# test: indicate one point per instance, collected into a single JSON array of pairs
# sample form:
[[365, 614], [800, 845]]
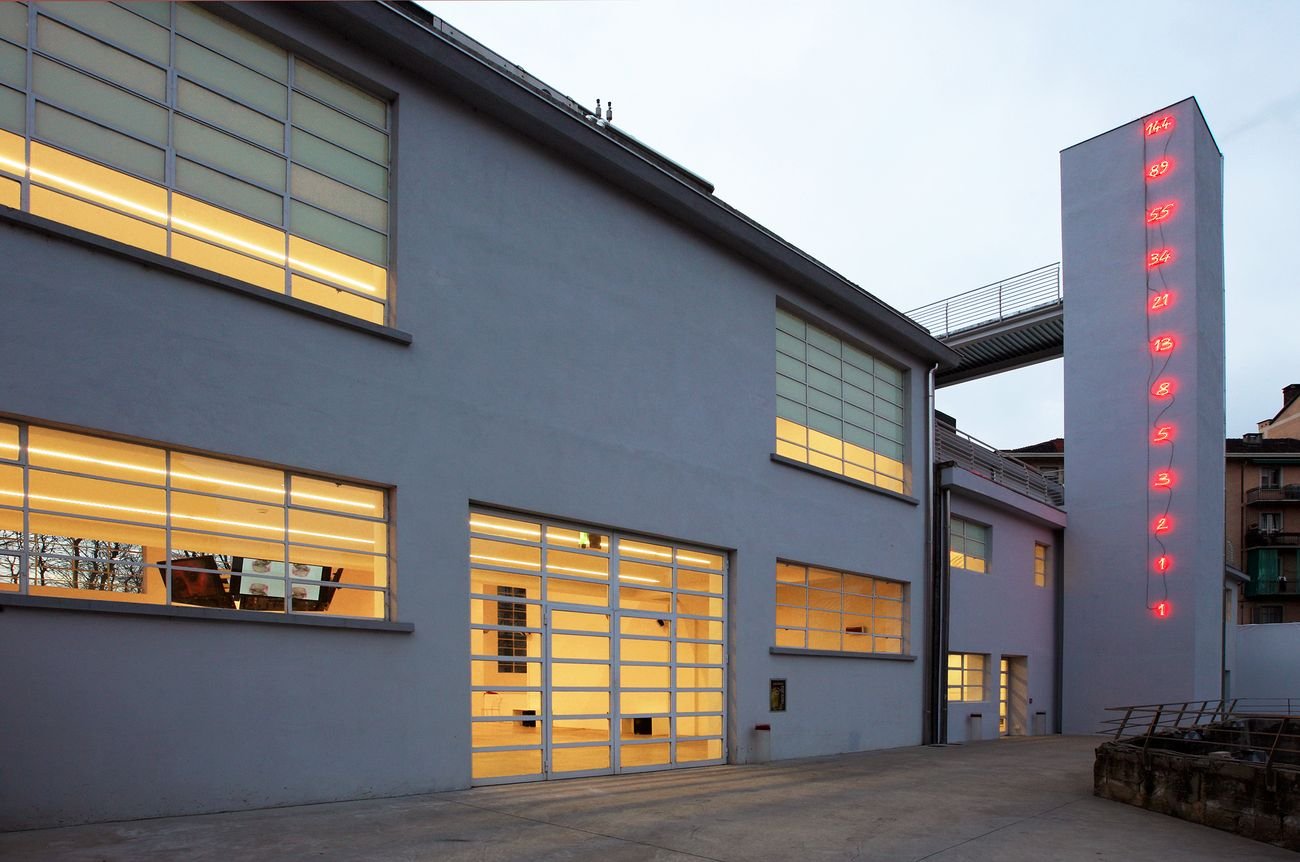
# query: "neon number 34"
[[1163, 256]]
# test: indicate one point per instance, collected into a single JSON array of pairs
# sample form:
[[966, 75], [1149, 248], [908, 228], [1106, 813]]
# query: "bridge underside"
[[1003, 345]]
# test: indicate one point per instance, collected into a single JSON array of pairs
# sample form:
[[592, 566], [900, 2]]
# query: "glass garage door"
[[592, 653]]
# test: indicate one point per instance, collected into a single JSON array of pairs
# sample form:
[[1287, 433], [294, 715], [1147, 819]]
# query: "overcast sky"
[[913, 146]]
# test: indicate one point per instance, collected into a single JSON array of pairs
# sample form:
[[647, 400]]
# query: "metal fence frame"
[[1038, 288]]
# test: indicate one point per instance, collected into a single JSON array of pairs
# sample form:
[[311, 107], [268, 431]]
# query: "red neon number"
[[1163, 479], [1164, 563], [1158, 169], [1159, 257], [1162, 344], [1163, 434], [1163, 524], [1161, 213], [1159, 126], [1162, 609], [1163, 389], [1161, 301]]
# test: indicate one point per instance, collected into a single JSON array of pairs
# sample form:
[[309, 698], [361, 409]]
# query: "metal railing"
[[991, 303], [1257, 538], [1257, 730], [1287, 493], [984, 460]]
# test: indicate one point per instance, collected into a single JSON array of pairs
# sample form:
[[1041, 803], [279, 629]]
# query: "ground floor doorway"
[[1013, 696], [592, 652]]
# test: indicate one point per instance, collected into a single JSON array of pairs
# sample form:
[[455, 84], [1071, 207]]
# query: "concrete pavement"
[[1012, 800]]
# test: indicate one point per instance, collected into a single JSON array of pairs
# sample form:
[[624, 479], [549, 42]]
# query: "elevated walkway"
[[1009, 324]]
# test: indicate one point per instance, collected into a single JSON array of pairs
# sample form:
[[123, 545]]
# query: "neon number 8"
[[1162, 390]]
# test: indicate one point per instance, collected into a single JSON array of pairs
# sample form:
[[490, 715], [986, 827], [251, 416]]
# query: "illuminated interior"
[[233, 170], [828, 610], [968, 545], [1004, 694], [965, 677], [1040, 565], [86, 517], [838, 408], [591, 653]]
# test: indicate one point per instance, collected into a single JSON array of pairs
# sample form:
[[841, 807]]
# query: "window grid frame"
[[25, 553], [962, 663], [1042, 564], [872, 619], [168, 184], [959, 559]]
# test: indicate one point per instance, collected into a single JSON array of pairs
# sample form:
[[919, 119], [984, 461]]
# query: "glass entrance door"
[[580, 652]]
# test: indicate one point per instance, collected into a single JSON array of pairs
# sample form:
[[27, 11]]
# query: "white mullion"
[[292, 64], [24, 549], [29, 110], [167, 525], [287, 566]]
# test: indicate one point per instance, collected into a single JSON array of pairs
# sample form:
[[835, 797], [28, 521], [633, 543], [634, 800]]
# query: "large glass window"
[[965, 677], [165, 127], [837, 407], [968, 545], [840, 611], [87, 517], [1041, 565]]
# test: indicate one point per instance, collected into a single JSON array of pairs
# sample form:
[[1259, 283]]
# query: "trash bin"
[[975, 727], [760, 749], [1040, 724]]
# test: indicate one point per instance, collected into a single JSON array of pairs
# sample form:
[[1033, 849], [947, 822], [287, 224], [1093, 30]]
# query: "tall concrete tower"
[[1142, 237]]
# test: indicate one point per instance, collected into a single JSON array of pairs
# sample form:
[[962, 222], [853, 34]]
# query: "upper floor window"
[[1270, 477], [838, 611], [837, 407], [86, 517], [167, 128], [968, 545], [1040, 565]]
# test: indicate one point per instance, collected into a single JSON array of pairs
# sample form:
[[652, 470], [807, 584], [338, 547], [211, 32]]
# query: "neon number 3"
[[1163, 479]]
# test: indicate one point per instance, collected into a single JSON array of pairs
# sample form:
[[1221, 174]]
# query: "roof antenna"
[[598, 109], [609, 111]]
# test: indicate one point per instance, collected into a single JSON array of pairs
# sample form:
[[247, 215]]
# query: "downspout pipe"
[[931, 729]]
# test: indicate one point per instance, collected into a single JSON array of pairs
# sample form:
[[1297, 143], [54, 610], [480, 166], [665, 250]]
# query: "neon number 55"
[[1158, 214]]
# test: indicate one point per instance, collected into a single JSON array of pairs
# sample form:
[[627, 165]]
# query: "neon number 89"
[[1158, 169]]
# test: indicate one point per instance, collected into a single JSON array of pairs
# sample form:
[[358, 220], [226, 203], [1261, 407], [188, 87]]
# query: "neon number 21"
[[1161, 301]]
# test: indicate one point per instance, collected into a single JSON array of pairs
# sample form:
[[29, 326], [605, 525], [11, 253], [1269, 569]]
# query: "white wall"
[[1267, 661]]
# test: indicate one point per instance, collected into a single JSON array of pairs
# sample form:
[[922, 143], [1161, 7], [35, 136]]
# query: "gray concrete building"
[[382, 423]]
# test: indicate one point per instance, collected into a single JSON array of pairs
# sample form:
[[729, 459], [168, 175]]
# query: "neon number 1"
[[1162, 609], [1160, 301]]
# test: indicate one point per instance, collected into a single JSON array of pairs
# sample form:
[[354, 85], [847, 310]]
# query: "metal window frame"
[[904, 601]]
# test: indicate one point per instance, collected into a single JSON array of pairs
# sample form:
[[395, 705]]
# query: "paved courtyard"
[[1016, 799]]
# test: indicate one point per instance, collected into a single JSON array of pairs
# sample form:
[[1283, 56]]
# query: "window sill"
[[866, 486], [11, 600], [830, 653], [203, 276]]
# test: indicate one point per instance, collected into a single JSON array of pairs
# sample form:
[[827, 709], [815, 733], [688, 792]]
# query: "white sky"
[[913, 146]]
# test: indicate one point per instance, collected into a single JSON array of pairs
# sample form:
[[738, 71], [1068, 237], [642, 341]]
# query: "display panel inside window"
[[165, 127], [837, 407], [968, 546], [826, 609], [965, 677], [86, 517]]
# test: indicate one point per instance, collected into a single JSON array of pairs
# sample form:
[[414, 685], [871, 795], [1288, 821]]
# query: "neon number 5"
[[1162, 256], [1163, 433], [1162, 344], [1160, 301]]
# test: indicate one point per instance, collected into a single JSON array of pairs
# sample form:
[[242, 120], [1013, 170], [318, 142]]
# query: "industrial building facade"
[[335, 465]]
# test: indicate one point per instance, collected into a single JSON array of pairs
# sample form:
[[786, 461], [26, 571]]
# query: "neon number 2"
[[1163, 524], [1160, 301], [1160, 257], [1162, 344]]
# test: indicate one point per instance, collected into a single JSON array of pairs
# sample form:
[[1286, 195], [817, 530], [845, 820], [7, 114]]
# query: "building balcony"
[[1272, 588], [1285, 494], [983, 460], [1257, 538]]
